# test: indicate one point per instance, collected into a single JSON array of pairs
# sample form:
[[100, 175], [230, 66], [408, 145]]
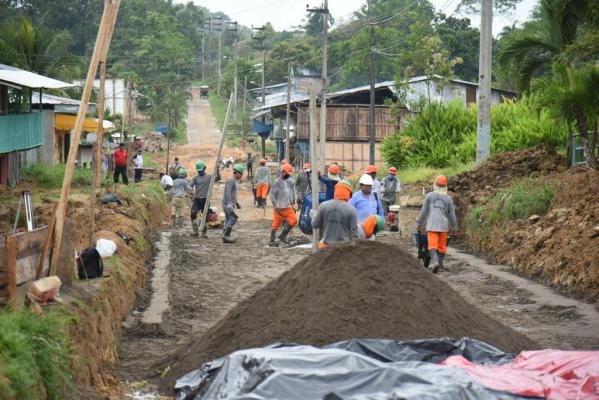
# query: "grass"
[[116, 267], [423, 174], [518, 201], [51, 176], [34, 350]]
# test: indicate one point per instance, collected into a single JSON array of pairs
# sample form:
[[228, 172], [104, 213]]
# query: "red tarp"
[[554, 374]]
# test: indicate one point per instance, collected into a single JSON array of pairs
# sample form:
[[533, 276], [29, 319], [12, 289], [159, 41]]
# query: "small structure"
[[22, 131], [204, 89]]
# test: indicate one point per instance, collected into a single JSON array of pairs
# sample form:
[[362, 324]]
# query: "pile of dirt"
[[361, 289]]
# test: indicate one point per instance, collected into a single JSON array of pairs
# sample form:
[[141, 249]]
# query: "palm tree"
[[530, 51], [36, 49]]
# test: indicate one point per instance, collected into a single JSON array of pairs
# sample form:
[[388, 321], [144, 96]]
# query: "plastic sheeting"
[[357, 370]]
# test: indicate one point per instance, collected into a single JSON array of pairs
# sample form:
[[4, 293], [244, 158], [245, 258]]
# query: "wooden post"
[[314, 160], [288, 113], [11, 269], [213, 176], [106, 27], [47, 242]]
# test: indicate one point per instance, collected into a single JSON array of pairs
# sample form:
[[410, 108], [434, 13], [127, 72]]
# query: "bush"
[[443, 135], [34, 352], [51, 176]]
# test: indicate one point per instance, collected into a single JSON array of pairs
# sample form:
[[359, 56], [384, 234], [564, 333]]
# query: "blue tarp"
[[262, 129]]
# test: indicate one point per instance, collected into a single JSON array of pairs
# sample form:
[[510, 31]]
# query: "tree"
[[300, 51], [461, 40], [313, 23], [37, 49]]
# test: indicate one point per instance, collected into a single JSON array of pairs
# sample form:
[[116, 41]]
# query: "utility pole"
[[168, 141], [203, 56], [219, 62], [262, 47], [324, 11], [245, 90], [125, 108], [483, 137], [315, 184], [288, 111], [372, 136], [97, 153], [235, 81]]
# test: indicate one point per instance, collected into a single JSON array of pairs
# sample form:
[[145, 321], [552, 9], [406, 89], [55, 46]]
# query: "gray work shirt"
[[281, 193], [302, 185], [338, 221], [262, 174], [180, 187], [201, 185], [230, 194], [438, 212], [390, 187]]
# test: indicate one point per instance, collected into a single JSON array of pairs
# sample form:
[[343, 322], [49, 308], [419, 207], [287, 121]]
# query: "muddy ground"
[[208, 278]]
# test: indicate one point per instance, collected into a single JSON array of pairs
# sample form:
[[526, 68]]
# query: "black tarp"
[[359, 369]]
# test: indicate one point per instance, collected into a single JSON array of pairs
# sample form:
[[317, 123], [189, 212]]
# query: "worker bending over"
[[201, 184], [282, 197], [336, 218], [371, 226], [438, 212], [230, 202], [262, 179]]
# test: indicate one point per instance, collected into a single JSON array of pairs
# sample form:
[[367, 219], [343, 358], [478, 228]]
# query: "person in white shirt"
[[166, 182], [138, 160]]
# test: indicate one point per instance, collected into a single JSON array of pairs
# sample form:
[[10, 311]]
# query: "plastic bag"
[[106, 247]]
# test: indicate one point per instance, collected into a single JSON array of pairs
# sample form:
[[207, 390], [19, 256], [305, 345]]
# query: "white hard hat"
[[366, 180]]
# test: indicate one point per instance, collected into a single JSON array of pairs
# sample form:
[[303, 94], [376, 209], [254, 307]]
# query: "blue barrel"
[[305, 223]]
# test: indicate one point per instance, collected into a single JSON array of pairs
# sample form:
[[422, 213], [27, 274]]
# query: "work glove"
[[238, 206]]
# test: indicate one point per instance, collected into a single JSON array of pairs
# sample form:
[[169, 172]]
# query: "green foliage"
[[34, 350], [51, 176], [445, 135], [518, 201], [461, 41], [427, 174]]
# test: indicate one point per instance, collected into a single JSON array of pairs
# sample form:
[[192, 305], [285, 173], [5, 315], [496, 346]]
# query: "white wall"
[[115, 94]]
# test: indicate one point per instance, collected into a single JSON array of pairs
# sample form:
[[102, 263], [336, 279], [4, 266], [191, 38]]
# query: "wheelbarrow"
[[421, 241]]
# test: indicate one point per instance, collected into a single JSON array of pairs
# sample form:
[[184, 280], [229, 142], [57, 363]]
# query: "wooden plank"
[[29, 243], [47, 242], [11, 267]]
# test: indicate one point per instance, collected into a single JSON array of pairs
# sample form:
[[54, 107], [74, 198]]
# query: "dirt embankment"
[[340, 294], [560, 247]]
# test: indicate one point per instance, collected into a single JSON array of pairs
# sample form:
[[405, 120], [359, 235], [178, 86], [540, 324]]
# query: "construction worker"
[[201, 184], [166, 182], [230, 202], [438, 213], [138, 162], [371, 226], [330, 180], [178, 193], [282, 198], [250, 165], [262, 179], [390, 188], [336, 218], [120, 157], [376, 186], [365, 201], [173, 169], [302, 185]]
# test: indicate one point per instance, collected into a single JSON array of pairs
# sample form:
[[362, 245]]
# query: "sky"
[[285, 14]]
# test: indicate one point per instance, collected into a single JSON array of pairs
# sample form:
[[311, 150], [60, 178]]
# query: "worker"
[[250, 165], [336, 218], [120, 158], [166, 182], [262, 179], [178, 193], [334, 171], [282, 197], [365, 201], [376, 186], [201, 184], [138, 161], [174, 168], [330, 181], [390, 188], [302, 185], [230, 202], [438, 213], [371, 226]]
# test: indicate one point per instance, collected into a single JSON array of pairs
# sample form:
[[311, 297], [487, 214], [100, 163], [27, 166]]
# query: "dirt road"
[[206, 278]]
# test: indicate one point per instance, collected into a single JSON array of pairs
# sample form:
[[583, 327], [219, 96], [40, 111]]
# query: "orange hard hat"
[[393, 171], [284, 161], [371, 169], [441, 180], [287, 168], [307, 166], [334, 169], [262, 161]]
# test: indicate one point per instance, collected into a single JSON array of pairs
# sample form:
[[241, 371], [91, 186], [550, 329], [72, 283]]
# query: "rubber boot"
[[227, 236], [283, 237], [439, 265], [434, 258], [194, 226], [273, 240]]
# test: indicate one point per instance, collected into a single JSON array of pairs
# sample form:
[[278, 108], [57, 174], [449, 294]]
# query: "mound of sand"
[[362, 289]]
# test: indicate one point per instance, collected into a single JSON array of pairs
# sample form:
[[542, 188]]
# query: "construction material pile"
[[361, 289], [153, 142]]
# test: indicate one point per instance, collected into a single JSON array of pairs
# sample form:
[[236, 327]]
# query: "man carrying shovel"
[[438, 212]]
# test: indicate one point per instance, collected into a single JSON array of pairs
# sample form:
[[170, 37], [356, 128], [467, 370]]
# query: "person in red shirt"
[[120, 157]]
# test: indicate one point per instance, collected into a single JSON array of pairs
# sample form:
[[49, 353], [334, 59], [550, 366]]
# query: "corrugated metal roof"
[[20, 77], [51, 99]]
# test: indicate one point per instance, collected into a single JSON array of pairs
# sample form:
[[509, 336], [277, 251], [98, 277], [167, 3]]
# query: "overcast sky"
[[284, 14]]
